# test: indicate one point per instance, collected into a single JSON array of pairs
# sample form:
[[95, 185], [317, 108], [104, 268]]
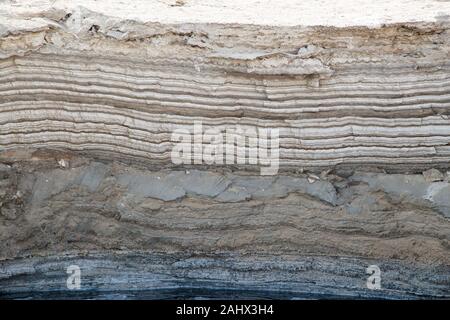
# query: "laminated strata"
[[91, 94]]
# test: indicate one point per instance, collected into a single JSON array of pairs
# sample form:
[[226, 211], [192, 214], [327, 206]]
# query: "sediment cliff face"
[[96, 98]]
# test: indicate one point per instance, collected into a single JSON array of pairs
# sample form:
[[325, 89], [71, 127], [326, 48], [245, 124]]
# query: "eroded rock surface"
[[91, 94]]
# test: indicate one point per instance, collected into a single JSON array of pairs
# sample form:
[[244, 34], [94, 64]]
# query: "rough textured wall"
[[91, 95]]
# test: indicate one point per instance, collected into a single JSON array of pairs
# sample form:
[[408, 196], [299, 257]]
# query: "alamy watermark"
[[374, 280], [73, 281], [234, 145]]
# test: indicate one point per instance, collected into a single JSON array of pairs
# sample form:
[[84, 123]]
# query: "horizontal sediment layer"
[[356, 95], [141, 275]]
